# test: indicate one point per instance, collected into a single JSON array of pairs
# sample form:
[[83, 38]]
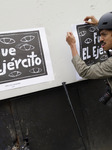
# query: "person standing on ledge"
[[99, 70]]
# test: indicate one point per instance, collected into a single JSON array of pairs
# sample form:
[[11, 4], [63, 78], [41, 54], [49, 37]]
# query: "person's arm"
[[95, 71], [91, 20], [72, 43], [71, 39]]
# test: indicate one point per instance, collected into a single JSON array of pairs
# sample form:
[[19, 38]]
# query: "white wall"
[[56, 16]]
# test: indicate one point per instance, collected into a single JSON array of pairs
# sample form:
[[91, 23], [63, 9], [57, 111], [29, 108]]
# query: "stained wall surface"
[[46, 121]]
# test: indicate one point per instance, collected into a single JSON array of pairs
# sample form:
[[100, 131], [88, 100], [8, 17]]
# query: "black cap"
[[105, 22]]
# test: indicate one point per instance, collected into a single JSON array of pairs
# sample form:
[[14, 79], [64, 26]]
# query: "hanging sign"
[[24, 59], [88, 43]]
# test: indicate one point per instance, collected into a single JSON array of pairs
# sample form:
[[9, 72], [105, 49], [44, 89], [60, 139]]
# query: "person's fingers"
[[87, 18]]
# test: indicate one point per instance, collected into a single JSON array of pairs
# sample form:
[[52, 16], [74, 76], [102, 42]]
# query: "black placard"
[[89, 44], [21, 56]]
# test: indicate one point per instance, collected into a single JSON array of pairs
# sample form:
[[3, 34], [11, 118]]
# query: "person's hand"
[[91, 20], [70, 39], [72, 43]]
